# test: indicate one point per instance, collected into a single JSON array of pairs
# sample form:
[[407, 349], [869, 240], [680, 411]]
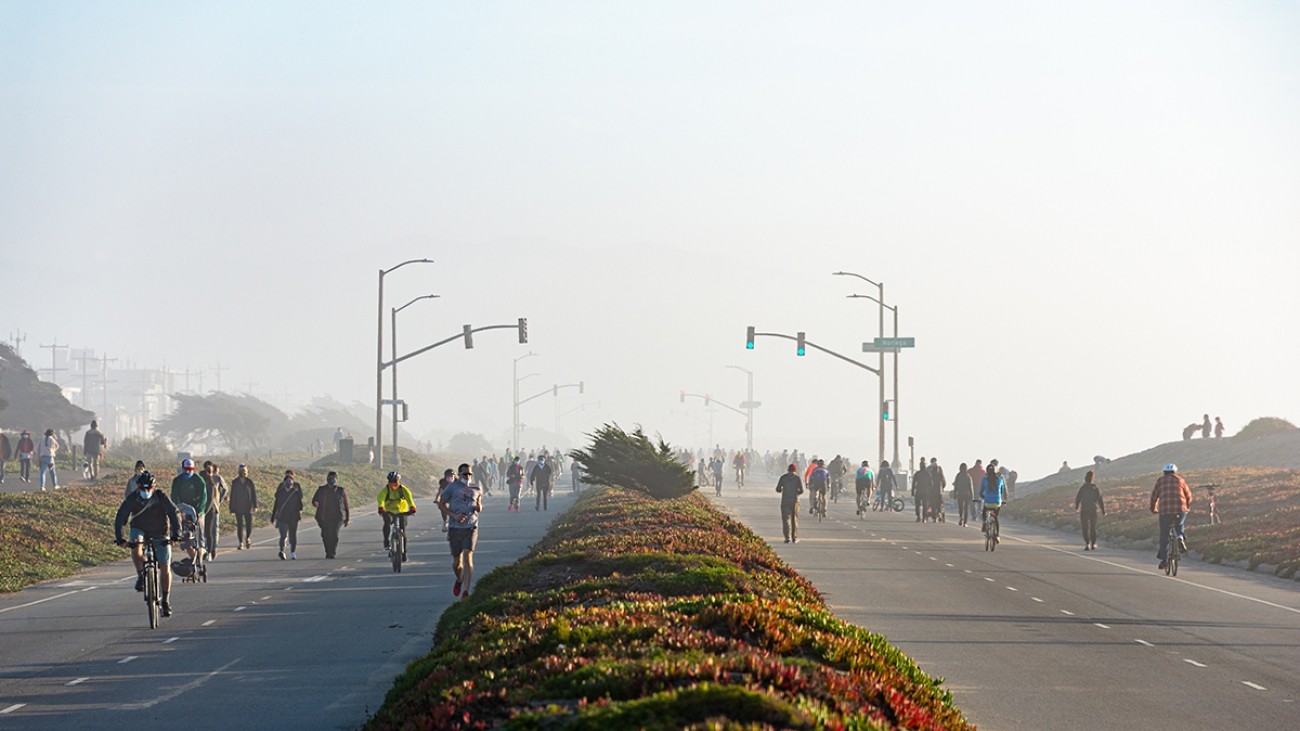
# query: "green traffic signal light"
[[749, 337], [799, 345]]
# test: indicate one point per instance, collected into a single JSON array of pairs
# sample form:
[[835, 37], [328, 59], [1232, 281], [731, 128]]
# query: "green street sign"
[[894, 342]]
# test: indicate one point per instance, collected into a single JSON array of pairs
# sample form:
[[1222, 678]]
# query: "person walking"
[[448, 477], [575, 475], [463, 502], [25, 449], [920, 490], [1086, 503], [514, 481], [1218, 433], [133, 484], [937, 483], [962, 488], [976, 476], [886, 483], [790, 487], [1205, 427], [46, 451], [287, 513], [331, 503], [93, 446], [189, 488], [6, 451], [212, 519], [542, 478], [243, 503]]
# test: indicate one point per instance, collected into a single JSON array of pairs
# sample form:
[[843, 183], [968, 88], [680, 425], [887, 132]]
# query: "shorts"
[[462, 539], [161, 548]]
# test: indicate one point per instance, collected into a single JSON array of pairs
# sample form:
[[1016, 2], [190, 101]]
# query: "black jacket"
[[243, 495], [151, 516], [1089, 499], [962, 487], [331, 503], [288, 504]]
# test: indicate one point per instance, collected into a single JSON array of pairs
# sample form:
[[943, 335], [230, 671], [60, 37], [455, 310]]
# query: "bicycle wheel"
[[898, 505], [151, 597], [395, 552]]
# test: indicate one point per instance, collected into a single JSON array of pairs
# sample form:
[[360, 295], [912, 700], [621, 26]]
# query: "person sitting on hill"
[[1190, 430]]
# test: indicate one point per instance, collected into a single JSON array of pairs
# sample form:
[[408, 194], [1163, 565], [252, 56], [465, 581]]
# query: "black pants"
[[543, 495], [963, 507], [329, 534], [288, 534], [244, 527], [388, 521], [1089, 521]]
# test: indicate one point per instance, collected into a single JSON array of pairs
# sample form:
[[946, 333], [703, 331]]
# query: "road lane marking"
[[41, 601], [1067, 612], [988, 578], [314, 579], [240, 609], [128, 659], [950, 566], [1040, 601], [1256, 686], [264, 598], [966, 570], [209, 623], [1012, 588], [932, 558], [1144, 643], [1192, 662], [182, 689], [78, 681], [170, 640], [1099, 624], [12, 708]]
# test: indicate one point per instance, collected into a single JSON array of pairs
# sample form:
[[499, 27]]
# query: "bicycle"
[[819, 504], [397, 542], [991, 529], [895, 503], [152, 592], [1171, 555]]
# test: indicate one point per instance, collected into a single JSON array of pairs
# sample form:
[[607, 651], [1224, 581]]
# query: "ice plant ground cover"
[[1259, 507], [639, 613]]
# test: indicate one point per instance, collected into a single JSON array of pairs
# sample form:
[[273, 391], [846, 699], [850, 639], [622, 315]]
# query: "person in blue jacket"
[[993, 491]]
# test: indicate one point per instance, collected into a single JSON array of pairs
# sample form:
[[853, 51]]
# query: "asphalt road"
[[305, 644], [1040, 634]]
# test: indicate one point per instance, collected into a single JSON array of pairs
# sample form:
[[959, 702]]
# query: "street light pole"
[[880, 400], [749, 409], [397, 456], [514, 421], [379, 364]]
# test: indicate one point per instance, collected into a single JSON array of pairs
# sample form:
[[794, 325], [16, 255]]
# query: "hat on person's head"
[[449, 471], [94, 424], [243, 468], [139, 464], [49, 432], [187, 464], [26, 433]]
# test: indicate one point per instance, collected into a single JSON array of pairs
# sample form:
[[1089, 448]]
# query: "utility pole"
[[104, 360], [514, 421], [17, 338], [54, 369], [379, 364], [749, 406], [85, 377], [218, 371], [250, 385]]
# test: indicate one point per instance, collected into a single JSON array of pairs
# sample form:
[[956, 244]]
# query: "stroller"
[[191, 570]]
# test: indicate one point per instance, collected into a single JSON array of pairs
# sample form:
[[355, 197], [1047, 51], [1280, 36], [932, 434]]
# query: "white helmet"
[[1171, 467]]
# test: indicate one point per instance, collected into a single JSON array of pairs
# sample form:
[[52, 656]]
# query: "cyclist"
[[836, 468], [462, 501], [993, 491], [886, 482], [396, 502], [862, 482], [150, 513], [739, 463], [1171, 499], [819, 480]]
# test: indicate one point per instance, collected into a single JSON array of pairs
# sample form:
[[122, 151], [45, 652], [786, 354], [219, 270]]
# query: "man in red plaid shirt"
[[1171, 499]]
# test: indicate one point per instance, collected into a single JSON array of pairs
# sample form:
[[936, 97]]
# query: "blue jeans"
[[1166, 520], [47, 465]]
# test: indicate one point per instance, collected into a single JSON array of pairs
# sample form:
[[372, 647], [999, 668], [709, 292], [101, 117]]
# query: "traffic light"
[[523, 329], [884, 410], [582, 387], [469, 337], [799, 345], [555, 390], [749, 337], [683, 395], [406, 412]]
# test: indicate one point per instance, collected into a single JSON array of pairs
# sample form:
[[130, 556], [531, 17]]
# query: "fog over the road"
[[1085, 212]]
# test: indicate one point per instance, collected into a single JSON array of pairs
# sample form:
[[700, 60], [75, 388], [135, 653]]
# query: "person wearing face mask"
[[133, 484], [243, 503], [152, 517], [331, 503], [287, 513], [212, 520], [189, 488]]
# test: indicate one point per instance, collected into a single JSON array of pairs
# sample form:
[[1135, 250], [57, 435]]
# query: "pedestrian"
[[1218, 434], [937, 482], [331, 503], [338, 437], [514, 481], [976, 474], [886, 482], [448, 477], [463, 502], [287, 513], [542, 478], [189, 488], [243, 503], [962, 489], [1086, 503], [1205, 427], [133, 484], [6, 451], [212, 521], [93, 446], [25, 449], [920, 489], [790, 487], [575, 474], [46, 452], [718, 465]]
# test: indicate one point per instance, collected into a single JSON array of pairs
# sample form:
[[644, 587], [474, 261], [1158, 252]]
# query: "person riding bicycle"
[[1171, 499], [819, 481], [993, 491], [395, 503], [863, 480], [150, 513]]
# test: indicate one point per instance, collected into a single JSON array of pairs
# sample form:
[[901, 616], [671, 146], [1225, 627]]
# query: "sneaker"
[[794, 540], [787, 540], [455, 588], [1182, 545], [167, 609], [464, 596], [444, 527], [1161, 565], [139, 583], [293, 555], [281, 555], [248, 544], [239, 546]]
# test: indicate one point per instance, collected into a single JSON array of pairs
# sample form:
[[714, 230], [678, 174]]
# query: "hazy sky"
[[1087, 213]]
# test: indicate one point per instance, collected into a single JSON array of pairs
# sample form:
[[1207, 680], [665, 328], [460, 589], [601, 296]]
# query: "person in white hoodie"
[[46, 450]]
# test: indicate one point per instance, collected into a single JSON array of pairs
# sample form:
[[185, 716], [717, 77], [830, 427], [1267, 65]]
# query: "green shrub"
[[621, 459]]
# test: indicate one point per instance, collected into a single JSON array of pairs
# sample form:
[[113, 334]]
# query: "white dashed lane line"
[[1256, 686], [78, 681], [209, 623], [264, 598], [1193, 663], [1144, 643], [1040, 601], [170, 640], [1012, 588], [12, 708], [1067, 612], [950, 566], [988, 578], [240, 609], [1099, 624], [128, 659]]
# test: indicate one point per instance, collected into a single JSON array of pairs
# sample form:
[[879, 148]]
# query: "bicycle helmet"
[[1171, 467], [393, 478], [144, 481]]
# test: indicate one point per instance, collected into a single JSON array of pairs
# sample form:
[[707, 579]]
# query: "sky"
[[1086, 213]]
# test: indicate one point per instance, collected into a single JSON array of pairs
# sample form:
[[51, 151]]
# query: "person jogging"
[[463, 502]]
